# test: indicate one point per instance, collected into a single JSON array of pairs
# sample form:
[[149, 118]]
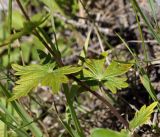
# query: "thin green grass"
[[153, 10], [9, 50], [141, 35], [143, 74], [146, 20], [72, 111], [9, 27], [22, 113]]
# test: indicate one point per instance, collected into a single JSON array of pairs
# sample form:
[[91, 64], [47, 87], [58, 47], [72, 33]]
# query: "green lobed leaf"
[[98, 132], [33, 75], [108, 77], [142, 116]]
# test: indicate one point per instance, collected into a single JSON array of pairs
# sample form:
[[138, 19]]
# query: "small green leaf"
[[114, 83], [68, 70], [46, 58], [117, 69], [107, 133], [85, 47], [53, 6], [104, 54], [31, 25], [47, 75], [2, 128], [88, 73], [17, 19], [96, 67], [41, 53], [142, 116], [148, 86], [27, 29], [26, 50]]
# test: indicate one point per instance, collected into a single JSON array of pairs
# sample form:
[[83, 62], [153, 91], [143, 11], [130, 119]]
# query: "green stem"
[[72, 110], [141, 35], [9, 50], [10, 27]]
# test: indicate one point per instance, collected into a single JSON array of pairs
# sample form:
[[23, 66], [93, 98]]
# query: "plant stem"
[[10, 27], [113, 110], [57, 58], [72, 111]]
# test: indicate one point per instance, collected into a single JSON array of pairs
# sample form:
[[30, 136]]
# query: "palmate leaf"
[[31, 76], [109, 76], [142, 116]]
